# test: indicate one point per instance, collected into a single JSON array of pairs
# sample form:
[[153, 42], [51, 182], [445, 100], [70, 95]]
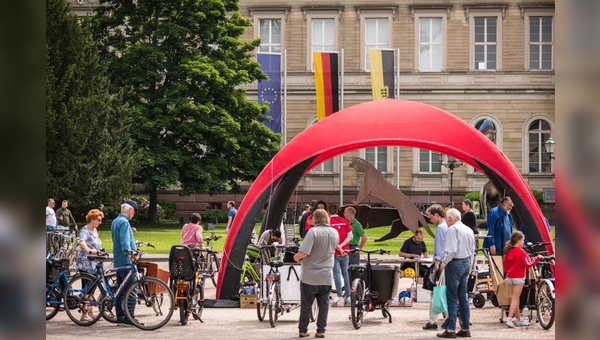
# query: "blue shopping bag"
[[439, 302]]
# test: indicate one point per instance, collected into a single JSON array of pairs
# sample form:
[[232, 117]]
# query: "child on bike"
[[516, 262]]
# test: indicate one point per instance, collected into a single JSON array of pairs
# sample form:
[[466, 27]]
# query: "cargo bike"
[[373, 287], [279, 286]]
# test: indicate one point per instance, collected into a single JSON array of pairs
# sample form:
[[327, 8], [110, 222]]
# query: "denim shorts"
[[515, 281]]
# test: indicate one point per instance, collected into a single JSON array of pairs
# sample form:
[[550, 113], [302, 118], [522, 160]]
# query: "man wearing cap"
[[123, 241]]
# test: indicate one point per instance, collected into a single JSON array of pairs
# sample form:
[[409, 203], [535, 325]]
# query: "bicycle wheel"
[[184, 312], [215, 262], [261, 309], [152, 302], [109, 313], [53, 301], [274, 305], [545, 306], [357, 303], [83, 300], [198, 301], [314, 310]]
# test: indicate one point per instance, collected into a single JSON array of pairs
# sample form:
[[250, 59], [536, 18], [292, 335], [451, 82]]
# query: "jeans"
[[341, 263], [121, 318], [354, 258], [457, 274], [308, 294]]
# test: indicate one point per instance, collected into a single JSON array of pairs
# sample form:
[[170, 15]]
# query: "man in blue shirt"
[[499, 224], [230, 215], [437, 216], [123, 241]]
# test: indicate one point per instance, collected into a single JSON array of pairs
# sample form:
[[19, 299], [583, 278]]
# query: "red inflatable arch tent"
[[387, 122]]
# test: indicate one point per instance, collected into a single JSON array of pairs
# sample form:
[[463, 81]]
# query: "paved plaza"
[[236, 323]]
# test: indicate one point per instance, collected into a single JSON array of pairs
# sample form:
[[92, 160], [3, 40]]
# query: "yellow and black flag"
[[382, 73], [327, 84]]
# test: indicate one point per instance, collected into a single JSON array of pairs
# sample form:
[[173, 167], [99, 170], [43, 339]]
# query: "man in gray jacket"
[[316, 256]]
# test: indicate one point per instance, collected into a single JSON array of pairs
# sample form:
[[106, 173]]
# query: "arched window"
[[538, 159]]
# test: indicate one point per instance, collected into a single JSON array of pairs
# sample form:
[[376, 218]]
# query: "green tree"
[[89, 154], [181, 65]]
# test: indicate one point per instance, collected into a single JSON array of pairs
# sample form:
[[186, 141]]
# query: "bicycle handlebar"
[[147, 244], [381, 251], [212, 238]]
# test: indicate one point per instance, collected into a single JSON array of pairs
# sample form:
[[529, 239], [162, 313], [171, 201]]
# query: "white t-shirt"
[[50, 217]]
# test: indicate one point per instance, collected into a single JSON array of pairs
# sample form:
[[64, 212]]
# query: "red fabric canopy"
[[387, 122]]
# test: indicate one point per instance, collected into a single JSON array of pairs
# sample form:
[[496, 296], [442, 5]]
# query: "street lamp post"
[[549, 147], [451, 165]]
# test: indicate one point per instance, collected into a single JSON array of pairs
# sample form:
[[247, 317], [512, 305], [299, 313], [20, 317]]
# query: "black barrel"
[[384, 281]]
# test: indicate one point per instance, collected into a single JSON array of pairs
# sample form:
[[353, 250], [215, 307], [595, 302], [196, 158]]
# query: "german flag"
[[382, 73], [327, 84]]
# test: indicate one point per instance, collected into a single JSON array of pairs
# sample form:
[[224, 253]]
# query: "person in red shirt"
[[516, 262], [340, 264]]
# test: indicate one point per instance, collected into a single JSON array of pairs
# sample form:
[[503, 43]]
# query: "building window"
[[430, 162], [270, 34], [539, 159], [378, 157], [485, 35], [541, 42], [431, 44], [377, 36], [325, 167], [322, 37], [485, 43], [269, 25]]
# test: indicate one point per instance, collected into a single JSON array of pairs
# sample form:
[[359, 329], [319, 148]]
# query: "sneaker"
[[509, 323], [340, 302], [347, 301], [336, 301]]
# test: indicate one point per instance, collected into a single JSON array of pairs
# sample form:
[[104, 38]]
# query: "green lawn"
[[165, 235]]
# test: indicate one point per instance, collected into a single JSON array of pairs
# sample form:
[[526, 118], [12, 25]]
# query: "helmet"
[[409, 272]]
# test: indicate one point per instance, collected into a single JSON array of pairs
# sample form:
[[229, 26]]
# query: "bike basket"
[[54, 267], [384, 281]]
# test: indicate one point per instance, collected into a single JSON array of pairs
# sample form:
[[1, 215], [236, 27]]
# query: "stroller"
[[480, 281]]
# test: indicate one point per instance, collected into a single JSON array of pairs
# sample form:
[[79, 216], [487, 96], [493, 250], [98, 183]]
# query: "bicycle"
[[544, 284], [150, 299], [62, 245], [371, 291], [275, 300], [57, 279], [210, 263], [186, 282]]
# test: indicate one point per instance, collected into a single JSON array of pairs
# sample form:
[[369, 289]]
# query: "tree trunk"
[[152, 208]]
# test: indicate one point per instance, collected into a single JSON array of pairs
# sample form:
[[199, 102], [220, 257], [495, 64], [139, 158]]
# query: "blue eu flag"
[[269, 91]]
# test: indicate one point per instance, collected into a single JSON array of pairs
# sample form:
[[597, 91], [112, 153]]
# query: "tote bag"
[[439, 302]]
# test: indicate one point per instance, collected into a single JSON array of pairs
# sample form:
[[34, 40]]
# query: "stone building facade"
[[476, 59]]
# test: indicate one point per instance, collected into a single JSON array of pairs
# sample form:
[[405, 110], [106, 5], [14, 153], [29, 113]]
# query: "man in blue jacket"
[[499, 224], [123, 241]]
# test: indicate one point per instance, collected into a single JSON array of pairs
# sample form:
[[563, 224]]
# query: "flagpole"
[[285, 98], [398, 97], [342, 156]]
